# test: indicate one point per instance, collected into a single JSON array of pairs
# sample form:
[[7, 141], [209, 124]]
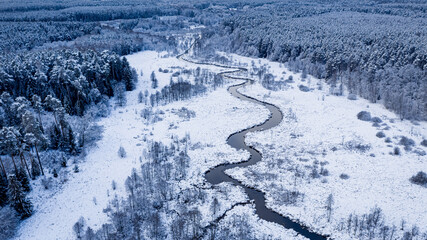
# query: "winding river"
[[236, 140]]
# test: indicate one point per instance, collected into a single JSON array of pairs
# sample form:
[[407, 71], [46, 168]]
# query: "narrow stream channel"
[[236, 140]]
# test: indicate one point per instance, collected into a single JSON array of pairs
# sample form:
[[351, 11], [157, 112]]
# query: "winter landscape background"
[[218, 119]]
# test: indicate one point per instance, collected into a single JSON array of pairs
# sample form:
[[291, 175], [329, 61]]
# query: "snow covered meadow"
[[322, 148], [88, 192], [124, 119]]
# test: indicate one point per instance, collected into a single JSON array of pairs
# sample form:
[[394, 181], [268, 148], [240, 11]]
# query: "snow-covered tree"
[[154, 81], [120, 94], [9, 140], [17, 198]]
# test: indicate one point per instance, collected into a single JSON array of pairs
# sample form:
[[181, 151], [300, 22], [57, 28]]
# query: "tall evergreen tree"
[[35, 168], [23, 179], [128, 76], [17, 198], [9, 142], [72, 141], [38, 106], [154, 81]]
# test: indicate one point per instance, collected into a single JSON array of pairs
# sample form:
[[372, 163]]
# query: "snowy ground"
[[88, 192], [319, 128]]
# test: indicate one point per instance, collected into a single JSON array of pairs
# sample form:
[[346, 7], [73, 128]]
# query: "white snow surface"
[[88, 192], [380, 180], [320, 125]]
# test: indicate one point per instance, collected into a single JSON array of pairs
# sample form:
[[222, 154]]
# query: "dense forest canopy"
[[376, 50]]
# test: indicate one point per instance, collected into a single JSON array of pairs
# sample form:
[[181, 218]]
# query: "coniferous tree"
[[17, 198], [9, 142], [55, 173], [128, 75], [55, 137], [32, 141], [140, 97], [38, 106], [71, 141], [154, 81], [23, 179], [35, 168], [58, 110]]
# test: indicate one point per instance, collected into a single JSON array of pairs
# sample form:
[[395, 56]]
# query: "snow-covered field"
[[88, 192], [322, 130], [318, 130]]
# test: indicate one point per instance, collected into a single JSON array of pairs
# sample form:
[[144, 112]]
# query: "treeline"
[[16, 36], [181, 90], [40, 90], [379, 57], [25, 27], [77, 79], [99, 13]]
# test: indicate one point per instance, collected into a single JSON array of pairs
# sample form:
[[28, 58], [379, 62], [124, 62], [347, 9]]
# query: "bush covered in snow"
[[380, 134], [344, 176], [376, 120], [364, 116], [357, 145], [420, 179], [122, 152], [396, 151], [407, 142], [352, 96], [304, 88]]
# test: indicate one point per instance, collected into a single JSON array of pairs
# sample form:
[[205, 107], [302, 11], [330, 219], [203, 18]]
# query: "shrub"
[[419, 179], [344, 176], [47, 182], [387, 140], [303, 88], [380, 134], [55, 173], [314, 173], [424, 143], [140, 97], [364, 116], [375, 124], [290, 197], [420, 152], [76, 169], [352, 96], [376, 120], [396, 151], [63, 162], [407, 142], [122, 152], [355, 145], [114, 185], [78, 228], [324, 172]]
